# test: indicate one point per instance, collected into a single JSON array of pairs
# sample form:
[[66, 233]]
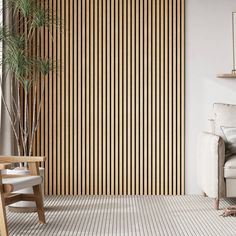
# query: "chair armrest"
[[210, 164], [4, 166], [17, 159]]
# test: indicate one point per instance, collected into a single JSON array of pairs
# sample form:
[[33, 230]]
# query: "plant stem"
[[34, 116], [26, 124]]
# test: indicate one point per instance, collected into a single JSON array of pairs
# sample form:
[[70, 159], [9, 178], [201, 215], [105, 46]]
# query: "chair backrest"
[[224, 116]]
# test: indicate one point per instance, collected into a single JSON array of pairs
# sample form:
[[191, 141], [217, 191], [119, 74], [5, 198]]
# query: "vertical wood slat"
[[87, 96], [91, 97], [54, 108], [96, 98], [141, 86], [125, 98], [50, 114], [116, 98], [100, 97], [112, 135], [76, 101], [77, 131], [113, 118], [108, 151], [83, 89], [71, 98], [104, 124], [46, 117], [120, 81], [137, 98]]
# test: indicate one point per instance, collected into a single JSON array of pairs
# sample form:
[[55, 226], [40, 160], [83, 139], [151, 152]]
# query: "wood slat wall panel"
[[112, 119]]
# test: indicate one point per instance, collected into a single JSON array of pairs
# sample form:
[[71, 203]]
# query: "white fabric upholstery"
[[210, 164], [230, 168], [225, 115], [216, 174], [22, 182], [230, 187], [211, 126]]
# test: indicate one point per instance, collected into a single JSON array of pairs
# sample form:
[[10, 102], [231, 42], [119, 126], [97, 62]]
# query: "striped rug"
[[126, 215]]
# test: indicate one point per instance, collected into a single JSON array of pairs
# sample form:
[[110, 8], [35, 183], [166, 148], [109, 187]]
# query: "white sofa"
[[216, 172]]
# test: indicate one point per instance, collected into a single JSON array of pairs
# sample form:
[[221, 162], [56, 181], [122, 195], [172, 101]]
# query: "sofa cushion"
[[22, 182], [225, 115], [230, 168]]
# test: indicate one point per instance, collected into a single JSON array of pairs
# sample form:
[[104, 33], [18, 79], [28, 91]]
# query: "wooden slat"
[[170, 102], [157, 63], [112, 118], [174, 99], [87, 96], [104, 70], [166, 97], [125, 63], [100, 84], [129, 68], [154, 94], [133, 79], [112, 56], [121, 76], [71, 99], [137, 99], [162, 96], [149, 108], [179, 128], [108, 151], [54, 108], [116, 97], [76, 101], [83, 100], [91, 97], [145, 87], [67, 96], [78, 131], [182, 64], [50, 114], [96, 148], [46, 120], [141, 89]]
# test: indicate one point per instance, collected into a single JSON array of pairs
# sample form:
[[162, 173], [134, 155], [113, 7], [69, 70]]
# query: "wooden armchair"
[[11, 183]]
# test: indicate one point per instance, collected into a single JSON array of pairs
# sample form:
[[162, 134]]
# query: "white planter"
[[25, 206]]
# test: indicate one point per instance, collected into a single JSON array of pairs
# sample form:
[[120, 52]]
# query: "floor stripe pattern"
[[126, 215]]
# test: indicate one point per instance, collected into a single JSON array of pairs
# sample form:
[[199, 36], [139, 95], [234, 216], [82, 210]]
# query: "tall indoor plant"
[[26, 70]]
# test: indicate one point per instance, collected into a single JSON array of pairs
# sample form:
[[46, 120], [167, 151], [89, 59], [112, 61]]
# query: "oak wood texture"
[[4, 166], [17, 159], [227, 76], [7, 198], [112, 120]]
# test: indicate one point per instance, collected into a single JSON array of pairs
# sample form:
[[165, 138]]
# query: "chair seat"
[[230, 168], [15, 184]]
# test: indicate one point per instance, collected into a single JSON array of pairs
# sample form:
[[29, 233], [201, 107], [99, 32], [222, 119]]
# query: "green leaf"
[[23, 6]]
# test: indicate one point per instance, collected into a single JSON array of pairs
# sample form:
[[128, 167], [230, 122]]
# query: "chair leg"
[[216, 203], [39, 203], [3, 218]]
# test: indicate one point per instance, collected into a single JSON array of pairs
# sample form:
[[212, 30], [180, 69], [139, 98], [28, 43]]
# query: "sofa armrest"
[[210, 164]]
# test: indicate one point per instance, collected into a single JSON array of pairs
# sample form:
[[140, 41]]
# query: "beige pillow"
[[225, 116]]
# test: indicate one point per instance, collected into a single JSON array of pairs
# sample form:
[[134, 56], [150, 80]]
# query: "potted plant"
[[26, 70]]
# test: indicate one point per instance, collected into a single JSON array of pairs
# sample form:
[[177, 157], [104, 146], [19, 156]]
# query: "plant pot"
[[25, 206]]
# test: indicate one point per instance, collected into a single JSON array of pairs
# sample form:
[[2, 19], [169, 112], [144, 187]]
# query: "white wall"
[[208, 52]]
